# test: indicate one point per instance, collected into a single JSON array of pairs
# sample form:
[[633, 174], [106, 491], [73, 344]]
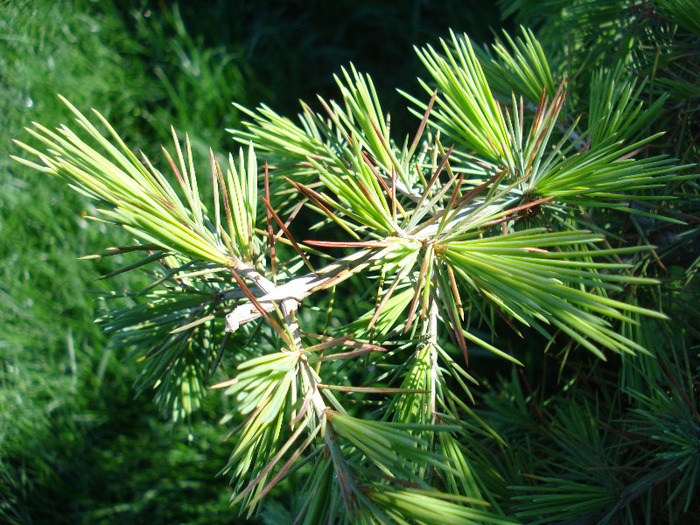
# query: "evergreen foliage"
[[491, 320]]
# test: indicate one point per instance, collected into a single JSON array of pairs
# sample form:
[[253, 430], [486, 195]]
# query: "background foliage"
[[586, 440]]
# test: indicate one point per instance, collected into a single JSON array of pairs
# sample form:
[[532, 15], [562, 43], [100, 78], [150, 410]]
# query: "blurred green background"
[[75, 446]]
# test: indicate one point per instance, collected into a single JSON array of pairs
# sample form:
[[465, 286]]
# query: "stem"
[[432, 332], [311, 386], [290, 294]]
